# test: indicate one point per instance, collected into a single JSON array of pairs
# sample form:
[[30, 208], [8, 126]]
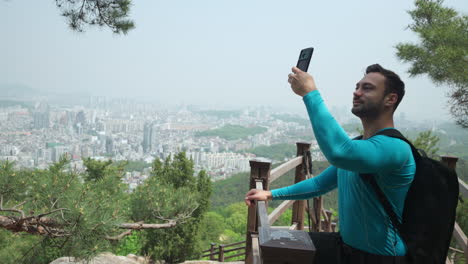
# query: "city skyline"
[[230, 54]]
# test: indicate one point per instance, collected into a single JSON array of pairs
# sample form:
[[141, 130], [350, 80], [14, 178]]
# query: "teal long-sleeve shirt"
[[363, 222]]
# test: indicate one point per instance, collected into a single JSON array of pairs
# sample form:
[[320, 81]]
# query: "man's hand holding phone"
[[301, 82]]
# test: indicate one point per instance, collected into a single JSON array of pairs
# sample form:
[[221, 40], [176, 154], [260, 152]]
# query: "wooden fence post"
[[221, 253], [259, 170], [450, 161], [212, 249], [299, 206], [318, 206]]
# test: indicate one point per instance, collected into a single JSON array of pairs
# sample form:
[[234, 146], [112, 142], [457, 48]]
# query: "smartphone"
[[304, 59]]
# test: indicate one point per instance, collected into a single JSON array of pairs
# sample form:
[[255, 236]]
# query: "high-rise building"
[[109, 145], [58, 152], [41, 116], [147, 137], [80, 118]]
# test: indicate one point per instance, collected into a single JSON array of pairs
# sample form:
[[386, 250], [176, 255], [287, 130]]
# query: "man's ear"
[[391, 99]]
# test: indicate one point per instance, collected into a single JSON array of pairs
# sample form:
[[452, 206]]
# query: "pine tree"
[[103, 13], [441, 53], [58, 212]]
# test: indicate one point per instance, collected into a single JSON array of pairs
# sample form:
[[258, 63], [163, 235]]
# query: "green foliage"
[[14, 246], [427, 141], [108, 13], [211, 228], [131, 244], [89, 206], [172, 192], [277, 152], [232, 132], [96, 169], [441, 53], [136, 165], [84, 211]]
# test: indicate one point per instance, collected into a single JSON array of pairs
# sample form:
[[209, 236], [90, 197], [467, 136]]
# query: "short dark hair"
[[393, 83]]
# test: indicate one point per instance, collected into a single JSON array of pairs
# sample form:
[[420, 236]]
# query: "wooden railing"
[[218, 252], [267, 244]]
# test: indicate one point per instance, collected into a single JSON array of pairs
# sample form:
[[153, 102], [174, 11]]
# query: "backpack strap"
[[369, 178]]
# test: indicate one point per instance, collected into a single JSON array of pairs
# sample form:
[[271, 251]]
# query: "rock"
[[109, 258], [104, 258]]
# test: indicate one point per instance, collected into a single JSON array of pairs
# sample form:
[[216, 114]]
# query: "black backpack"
[[429, 210]]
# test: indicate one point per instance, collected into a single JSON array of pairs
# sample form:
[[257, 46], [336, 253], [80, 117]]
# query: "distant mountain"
[[24, 93], [18, 92]]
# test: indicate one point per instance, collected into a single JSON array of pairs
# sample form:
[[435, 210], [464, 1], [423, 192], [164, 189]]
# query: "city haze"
[[216, 54]]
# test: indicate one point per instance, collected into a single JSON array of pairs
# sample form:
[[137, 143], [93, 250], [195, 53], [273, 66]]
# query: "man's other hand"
[[301, 82], [255, 194]]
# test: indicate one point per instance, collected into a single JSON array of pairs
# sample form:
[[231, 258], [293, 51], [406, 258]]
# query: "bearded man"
[[366, 233]]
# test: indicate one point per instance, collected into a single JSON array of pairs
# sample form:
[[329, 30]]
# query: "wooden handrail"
[[284, 168], [260, 233], [226, 245], [461, 239], [233, 249], [261, 209], [279, 211], [463, 188], [222, 249], [275, 243], [259, 172], [293, 226], [235, 244]]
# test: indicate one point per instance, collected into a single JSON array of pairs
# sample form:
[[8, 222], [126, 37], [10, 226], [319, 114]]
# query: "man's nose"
[[357, 92]]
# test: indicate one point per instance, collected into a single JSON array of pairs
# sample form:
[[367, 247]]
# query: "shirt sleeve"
[[313, 187], [374, 155]]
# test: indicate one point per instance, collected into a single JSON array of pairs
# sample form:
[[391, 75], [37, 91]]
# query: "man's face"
[[368, 97]]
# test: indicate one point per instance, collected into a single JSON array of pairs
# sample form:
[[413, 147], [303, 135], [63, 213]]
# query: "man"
[[366, 232]]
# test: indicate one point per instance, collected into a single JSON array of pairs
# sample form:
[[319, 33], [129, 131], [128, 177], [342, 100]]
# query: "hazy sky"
[[215, 52]]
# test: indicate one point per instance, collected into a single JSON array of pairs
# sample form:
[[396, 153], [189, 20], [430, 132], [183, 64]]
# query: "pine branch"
[[41, 225], [138, 226]]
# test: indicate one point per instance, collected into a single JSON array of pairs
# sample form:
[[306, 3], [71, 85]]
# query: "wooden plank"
[[233, 249], [256, 257], [261, 208], [262, 214], [284, 168], [279, 211], [463, 188], [234, 244], [293, 227], [461, 239], [280, 227]]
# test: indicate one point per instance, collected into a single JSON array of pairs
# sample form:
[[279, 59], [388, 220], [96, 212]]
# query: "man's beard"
[[369, 110]]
